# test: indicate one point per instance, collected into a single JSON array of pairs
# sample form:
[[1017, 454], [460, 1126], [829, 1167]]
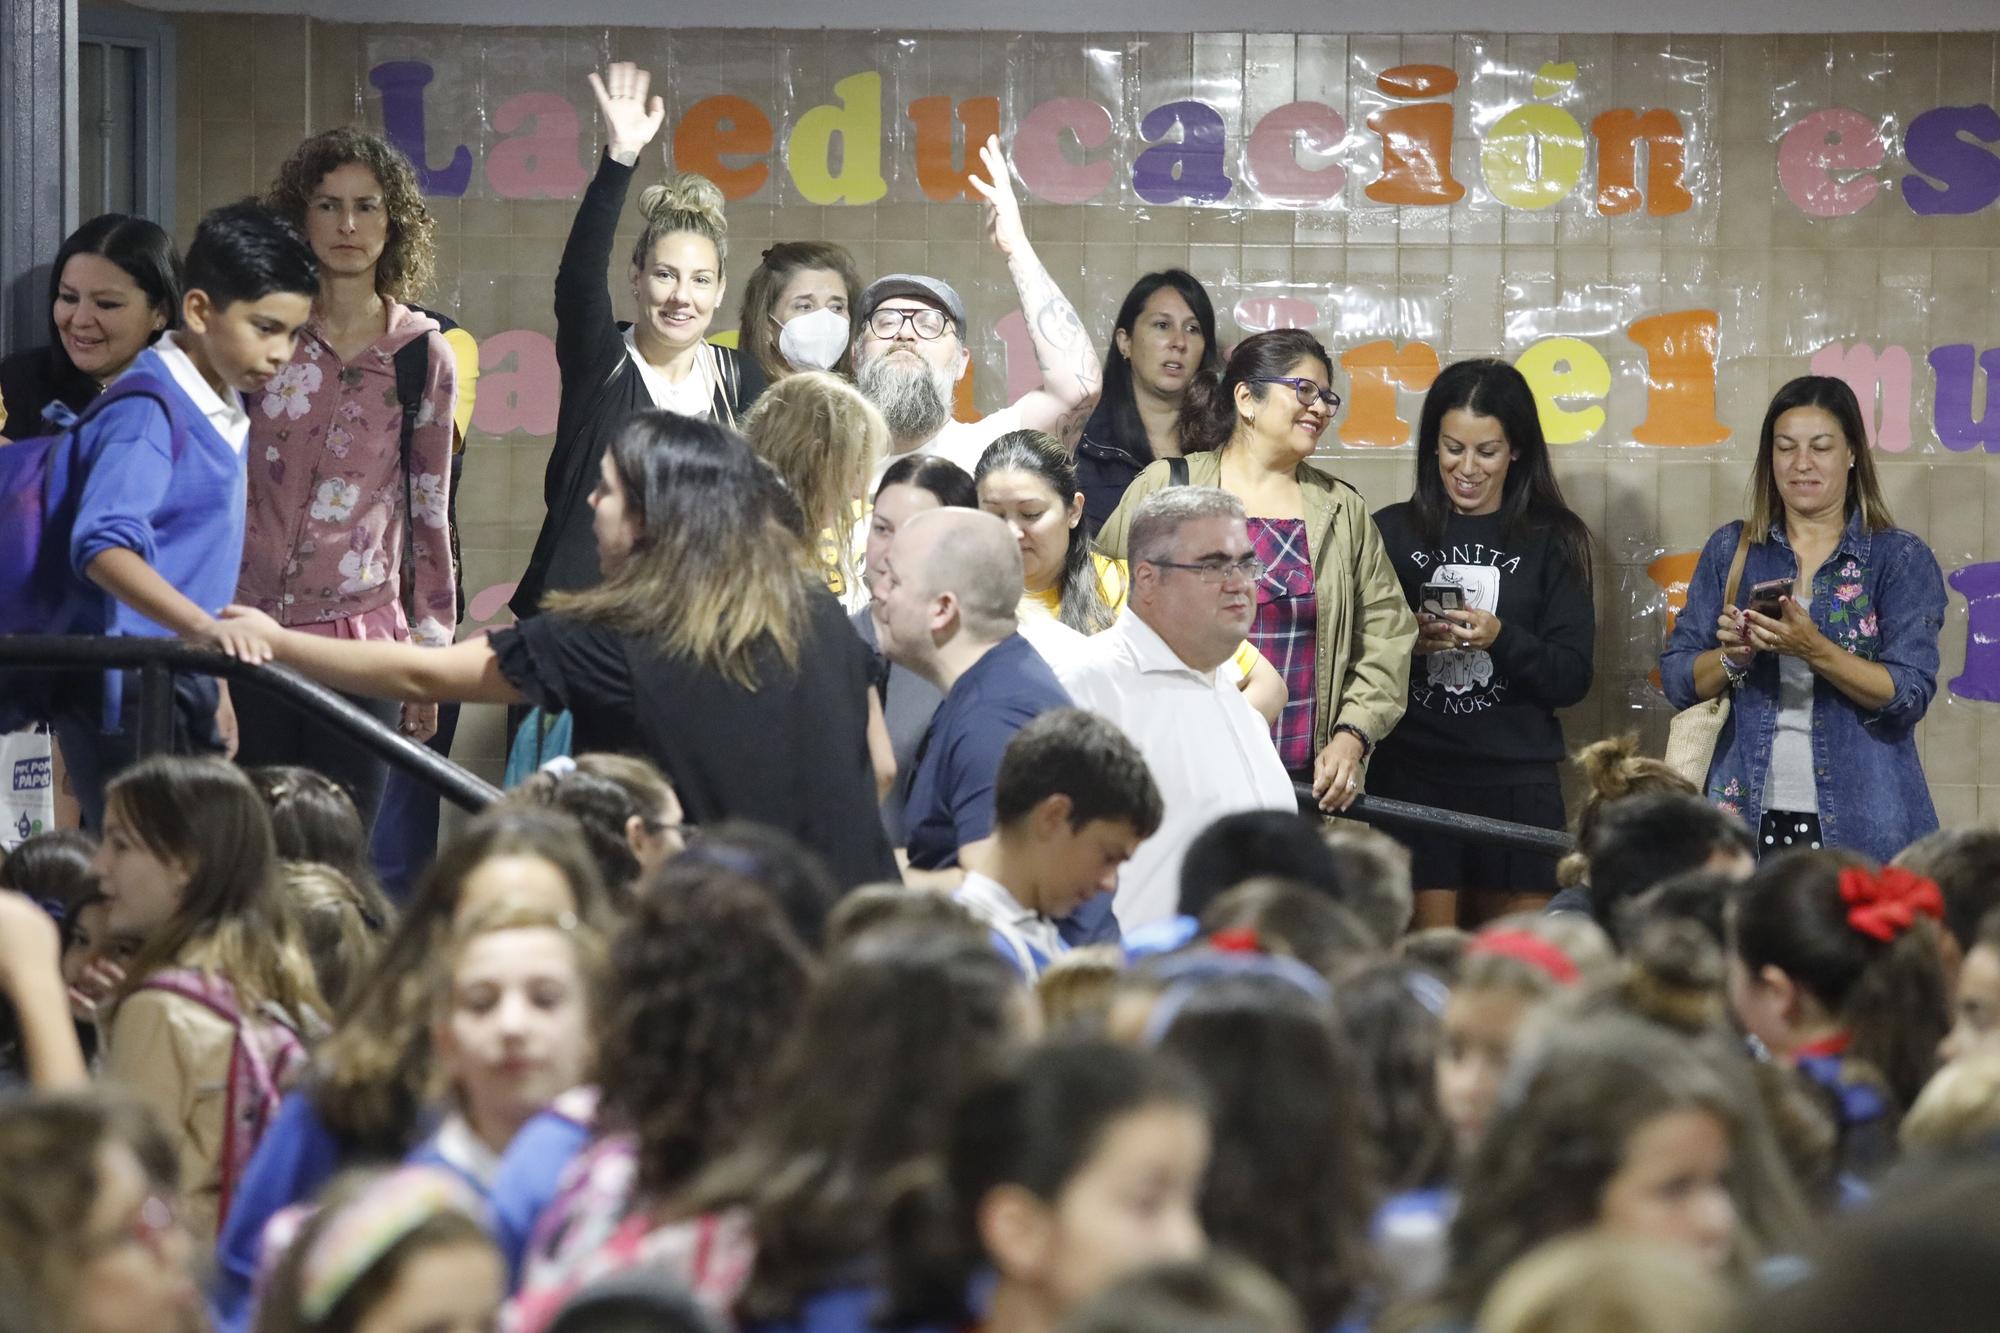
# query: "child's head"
[[1217, 1293], [794, 875], [188, 864], [1975, 1026], [706, 980], [629, 815], [389, 1253], [1284, 917], [251, 280], [892, 1033], [1078, 1164], [1073, 801], [1965, 865], [1825, 944], [94, 956], [1958, 1110], [513, 1014], [374, 1068], [1592, 1283], [1636, 841], [1508, 971], [1372, 870], [1392, 1014], [1252, 843], [822, 438], [1292, 1184], [1613, 769], [90, 1234], [894, 906], [332, 917], [314, 819], [54, 869], [1075, 990], [1611, 1125], [1438, 950]]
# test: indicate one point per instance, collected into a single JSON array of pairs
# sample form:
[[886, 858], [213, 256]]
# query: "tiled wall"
[[250, 86]]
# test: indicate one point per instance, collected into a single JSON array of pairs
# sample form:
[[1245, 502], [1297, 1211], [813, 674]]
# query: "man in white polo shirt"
[[1154, 674]]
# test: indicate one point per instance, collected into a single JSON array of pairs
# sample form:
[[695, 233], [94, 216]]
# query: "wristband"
[[1735, 674], [1367, 745]]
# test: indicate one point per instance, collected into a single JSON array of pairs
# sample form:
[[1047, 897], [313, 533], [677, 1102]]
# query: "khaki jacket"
[[1366, 629], [174, 1055]]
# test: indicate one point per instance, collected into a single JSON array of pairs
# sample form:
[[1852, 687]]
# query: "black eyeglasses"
[[1306, 389], [888, 321], [1217, 572]]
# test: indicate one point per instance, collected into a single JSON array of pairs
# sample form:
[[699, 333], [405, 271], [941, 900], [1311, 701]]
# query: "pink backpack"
[[267, 1054]]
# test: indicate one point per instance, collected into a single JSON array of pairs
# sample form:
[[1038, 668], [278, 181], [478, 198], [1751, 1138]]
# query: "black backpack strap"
[[1177, 472], [413, 364]]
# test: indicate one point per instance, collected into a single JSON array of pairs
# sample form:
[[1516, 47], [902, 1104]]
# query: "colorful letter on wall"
[[1374, 371], [1951, 412], [1272, 154], [941, 173], [402, 84], [1562, 368], [1671, 572], [1937, 146], [1835, 139], [858, 122], [1416, 140], [542, 163], [717, 129], [1259, 314], [1533, 157], [1169, 172], [1979, 585], [1681, 354], [519, 388], [1866, 371], [1618, 134], [1045, 169]]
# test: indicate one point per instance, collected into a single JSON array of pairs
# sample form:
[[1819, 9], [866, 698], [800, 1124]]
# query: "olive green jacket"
[[1366, 628]]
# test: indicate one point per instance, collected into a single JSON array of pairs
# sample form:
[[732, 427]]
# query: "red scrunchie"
[[1242, 939], [1883, 906]]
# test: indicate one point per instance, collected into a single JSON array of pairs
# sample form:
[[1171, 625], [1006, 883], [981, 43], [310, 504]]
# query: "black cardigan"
[[600, 388]]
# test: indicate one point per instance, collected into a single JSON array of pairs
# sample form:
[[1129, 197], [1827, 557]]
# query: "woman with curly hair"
[[707, 978], [348, 480]]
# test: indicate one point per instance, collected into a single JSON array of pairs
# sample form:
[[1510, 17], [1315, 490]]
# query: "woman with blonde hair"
[[347, 533], [822, 438], [611, 369]]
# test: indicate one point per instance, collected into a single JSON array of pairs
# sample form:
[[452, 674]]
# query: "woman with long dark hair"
[[711, 648], [1498, 570], [115, 287], [1163, 338], [1821, 619], [1330, 615]]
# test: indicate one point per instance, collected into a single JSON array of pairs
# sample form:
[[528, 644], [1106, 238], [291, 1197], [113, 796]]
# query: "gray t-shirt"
[[1789, 784]]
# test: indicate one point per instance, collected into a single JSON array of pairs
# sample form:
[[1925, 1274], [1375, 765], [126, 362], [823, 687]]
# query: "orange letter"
[[1680, 377], [1618, 133], [1416, 140], [939, 174], [1671, 573], [726, 124], [1374, 370]]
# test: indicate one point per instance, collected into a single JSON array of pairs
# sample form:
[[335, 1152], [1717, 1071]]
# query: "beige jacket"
[[174, 1055], [1366, 628]]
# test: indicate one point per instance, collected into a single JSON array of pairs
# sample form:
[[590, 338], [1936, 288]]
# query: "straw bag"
[[1692, 735]]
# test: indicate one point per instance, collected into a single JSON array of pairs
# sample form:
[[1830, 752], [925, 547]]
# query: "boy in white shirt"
[[1072, 801]]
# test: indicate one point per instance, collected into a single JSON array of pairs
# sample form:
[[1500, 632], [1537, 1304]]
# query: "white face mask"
[[814, 340]]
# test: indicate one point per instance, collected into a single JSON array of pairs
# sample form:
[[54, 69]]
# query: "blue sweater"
[[178, 502], [297, 1155]]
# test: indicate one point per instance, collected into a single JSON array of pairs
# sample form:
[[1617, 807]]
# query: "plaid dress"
[[1286, 631]]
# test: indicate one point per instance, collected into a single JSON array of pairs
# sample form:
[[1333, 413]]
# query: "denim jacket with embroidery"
[[1880, 596]]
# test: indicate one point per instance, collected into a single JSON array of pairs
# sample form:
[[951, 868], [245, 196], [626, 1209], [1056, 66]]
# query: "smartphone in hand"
[[1766, 596], [1437, 598]]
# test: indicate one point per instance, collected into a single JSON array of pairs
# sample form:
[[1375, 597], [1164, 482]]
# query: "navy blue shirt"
[[950, 801]]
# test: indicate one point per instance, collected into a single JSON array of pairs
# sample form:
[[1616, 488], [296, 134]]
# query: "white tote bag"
[[1692, 735]]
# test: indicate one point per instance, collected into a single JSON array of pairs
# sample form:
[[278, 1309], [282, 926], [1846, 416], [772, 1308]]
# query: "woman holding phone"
[[1831, 655], [1497, 568]]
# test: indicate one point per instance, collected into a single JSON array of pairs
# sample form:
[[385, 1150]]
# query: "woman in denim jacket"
[[1829, 686]]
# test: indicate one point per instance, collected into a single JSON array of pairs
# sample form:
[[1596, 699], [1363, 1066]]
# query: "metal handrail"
[[1380, 810], [157, 659]]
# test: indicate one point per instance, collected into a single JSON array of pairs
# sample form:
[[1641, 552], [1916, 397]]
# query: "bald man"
[[944, 607]]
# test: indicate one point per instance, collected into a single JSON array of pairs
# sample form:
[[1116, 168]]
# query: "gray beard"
[[915, 400]]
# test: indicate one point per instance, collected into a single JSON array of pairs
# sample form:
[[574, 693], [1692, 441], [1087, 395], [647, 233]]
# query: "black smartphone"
[[1438, 598], [1765, 596]]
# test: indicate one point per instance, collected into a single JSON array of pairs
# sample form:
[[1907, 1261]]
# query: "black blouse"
[[792, 753]]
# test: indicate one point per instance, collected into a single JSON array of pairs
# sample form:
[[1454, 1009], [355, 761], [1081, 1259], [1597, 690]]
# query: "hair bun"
[[1607, 765], [682, 194]]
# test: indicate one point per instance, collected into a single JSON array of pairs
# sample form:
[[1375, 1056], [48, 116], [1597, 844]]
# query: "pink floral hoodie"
[[325, 533]]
